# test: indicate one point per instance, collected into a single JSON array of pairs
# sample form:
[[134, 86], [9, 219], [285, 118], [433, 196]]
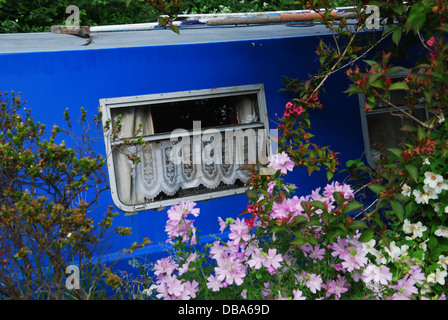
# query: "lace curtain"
[[158, 172]]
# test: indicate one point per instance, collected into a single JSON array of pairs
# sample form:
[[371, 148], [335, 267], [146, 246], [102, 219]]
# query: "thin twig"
[[356, 59], [339, 60], [384, 100]]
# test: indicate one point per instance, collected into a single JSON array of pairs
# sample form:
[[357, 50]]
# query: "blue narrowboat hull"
[[54, 72]]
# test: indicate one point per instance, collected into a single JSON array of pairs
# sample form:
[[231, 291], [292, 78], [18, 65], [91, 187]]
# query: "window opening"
[[194, 144], [382, 125]]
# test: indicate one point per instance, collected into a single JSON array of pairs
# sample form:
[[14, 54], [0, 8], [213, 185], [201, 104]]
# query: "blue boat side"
[[54, 72]]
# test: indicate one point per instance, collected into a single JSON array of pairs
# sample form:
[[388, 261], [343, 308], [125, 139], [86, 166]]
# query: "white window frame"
[[365, 114], [132, 101]]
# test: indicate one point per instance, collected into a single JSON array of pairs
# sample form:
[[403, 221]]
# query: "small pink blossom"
[[273, 260], [431, 42], [338, 247], [183, 209], [190, 289], [281, 297], [314, 282], [280, 210], [288, 208], [178, 226], [165, 267], [344, 189], [213, 283], [336, 287], [317, 253], [417, 275], [174, 287], [298, 295], [282, 162], [405, 286], [216, 250], [239, 231], [271, 186], [257, 259], [375, 274], [222, 224], [354, 259]]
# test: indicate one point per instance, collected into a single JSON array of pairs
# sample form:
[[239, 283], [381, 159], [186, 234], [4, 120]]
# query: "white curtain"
[[158, 172]]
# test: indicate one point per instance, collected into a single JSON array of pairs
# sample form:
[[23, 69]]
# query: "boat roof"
[[195, 34]]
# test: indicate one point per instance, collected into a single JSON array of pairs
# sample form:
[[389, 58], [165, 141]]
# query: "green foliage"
[[47, 193], [229, 6], [38, 16]]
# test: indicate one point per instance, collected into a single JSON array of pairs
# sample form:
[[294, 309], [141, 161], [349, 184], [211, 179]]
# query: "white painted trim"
[[201, 17]]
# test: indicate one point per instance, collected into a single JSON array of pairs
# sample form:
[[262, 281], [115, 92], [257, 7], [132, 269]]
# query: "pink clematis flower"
[[239, 231], [336, 287], [314, 282], [272, 261]]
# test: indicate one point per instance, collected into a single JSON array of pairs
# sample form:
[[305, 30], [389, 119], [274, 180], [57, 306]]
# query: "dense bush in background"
[[38, 16]]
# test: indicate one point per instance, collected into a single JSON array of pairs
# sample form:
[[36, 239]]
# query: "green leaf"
[[279, 229], [314, 221], [399, 86], [313, 241], [443, 28], [318, 204], [352, 206], [298, 234], [357, 224], [408, 128], [395, 70], [374, 77], [378, 84], [416, 18], [398, 209], [433, 242], [298, 242], [413, 171], [353, 90], [376, 188], [396, 152], [174, 28], [300, 219], [329, 175], [371, 62], [366, 236], [439, 75], [410, 208], [396, 36], [252, 195]]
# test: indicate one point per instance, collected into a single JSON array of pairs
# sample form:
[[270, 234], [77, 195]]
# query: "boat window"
[[183, 145], [382, 125]]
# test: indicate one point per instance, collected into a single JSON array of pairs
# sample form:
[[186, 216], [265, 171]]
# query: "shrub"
[[47, 194]]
